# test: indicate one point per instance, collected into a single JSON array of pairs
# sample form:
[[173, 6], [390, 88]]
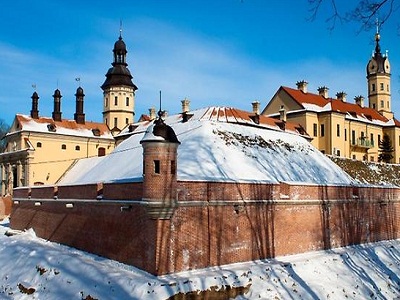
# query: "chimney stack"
[[256, 107], [35, 105], [359, 100], [185, 105], [79, 116], [341, 96], [282, 114], [57, 105], [323, 91], [152, 113], [302, 86]]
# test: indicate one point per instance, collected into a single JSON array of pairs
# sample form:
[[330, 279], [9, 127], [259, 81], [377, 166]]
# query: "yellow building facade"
[[41, 149], [340, 127]]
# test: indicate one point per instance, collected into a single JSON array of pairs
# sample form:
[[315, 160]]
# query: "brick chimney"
[[359, 100], [57, 105], [35, 105], [302, 85], [79, 116], [341, 96], [323, 91], [152, 113], [256, 107], [185, 105]]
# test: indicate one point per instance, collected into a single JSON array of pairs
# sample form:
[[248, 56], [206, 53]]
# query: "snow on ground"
[[48, 270], [214, 150]]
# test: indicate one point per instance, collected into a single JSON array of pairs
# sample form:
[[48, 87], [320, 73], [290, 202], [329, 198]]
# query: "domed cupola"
[[119, 74], [378, 63]]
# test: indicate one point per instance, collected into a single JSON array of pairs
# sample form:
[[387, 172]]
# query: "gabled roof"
[[317, 103], [63, 127]]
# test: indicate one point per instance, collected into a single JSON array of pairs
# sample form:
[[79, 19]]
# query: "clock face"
[[372, 66], [387, 66]]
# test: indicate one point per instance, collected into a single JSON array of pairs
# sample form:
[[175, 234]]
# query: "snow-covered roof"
[[215, 148], [63, 127]]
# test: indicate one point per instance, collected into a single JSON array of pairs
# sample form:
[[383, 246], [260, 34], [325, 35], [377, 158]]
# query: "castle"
[[203, 188]]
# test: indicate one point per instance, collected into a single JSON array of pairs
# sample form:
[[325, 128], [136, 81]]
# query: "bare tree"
[[365, 12], [3, 131]]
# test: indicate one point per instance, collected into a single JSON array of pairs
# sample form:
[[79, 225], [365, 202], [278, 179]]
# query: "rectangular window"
[[338, 130], [381, 86], [387, 88], [116, 100], [315, 129], [353, 137], [372, 139], [373, 87], [372, 158], [173, 167], [106, 104], [338, 152], [354, 156], [379, 139], [373, 106], [382, 103], [322, 130], [127, 101], [156, 167], [115, 122], [345, 134], [126, 120]]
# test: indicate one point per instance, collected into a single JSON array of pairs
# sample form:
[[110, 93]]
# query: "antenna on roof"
[[160, 111]]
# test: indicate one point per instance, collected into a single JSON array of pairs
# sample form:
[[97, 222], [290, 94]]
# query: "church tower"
[[118, 91], [378, 77]]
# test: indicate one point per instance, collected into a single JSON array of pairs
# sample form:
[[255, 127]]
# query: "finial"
[[120, 29], [378, 27], [78, 79], [160, 113], [34, 86]]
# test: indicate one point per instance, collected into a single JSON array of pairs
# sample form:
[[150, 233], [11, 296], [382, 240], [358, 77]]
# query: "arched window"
[[63, 147], [77, 147], [39, 145]]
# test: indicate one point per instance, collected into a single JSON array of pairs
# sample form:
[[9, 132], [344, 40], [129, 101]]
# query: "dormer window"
[[96, 132], [51, 127]]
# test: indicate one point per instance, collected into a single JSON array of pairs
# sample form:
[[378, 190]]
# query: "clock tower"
[[378, 77], [118, 91]]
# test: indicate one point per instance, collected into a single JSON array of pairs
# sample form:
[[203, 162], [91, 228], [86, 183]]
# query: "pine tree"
[[385, 149]]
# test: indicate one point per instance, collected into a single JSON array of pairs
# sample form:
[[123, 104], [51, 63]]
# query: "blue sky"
[[227, 52]]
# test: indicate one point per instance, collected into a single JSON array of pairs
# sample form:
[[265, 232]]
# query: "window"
[[106, 121], [372, 139], [387, 105], [157, 167], [63, 147], [373, 87], [315, 128], [387, 88], [381, 86], [106, 102], [372, 158], [77, 148], [354, 156], [322, 130], [382, 103], [116, 100], [39, 145], [338, 152], [127, 101], [373, 106], [101, 151], [338, 130], [115, 122], [345, 134], [353, 137], [379, 139], [126, 121], [173, 167]]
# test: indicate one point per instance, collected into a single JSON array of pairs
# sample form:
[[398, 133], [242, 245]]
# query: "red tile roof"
[[336, 105]]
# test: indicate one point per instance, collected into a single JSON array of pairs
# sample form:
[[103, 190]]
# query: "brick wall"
[[213, 223]]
